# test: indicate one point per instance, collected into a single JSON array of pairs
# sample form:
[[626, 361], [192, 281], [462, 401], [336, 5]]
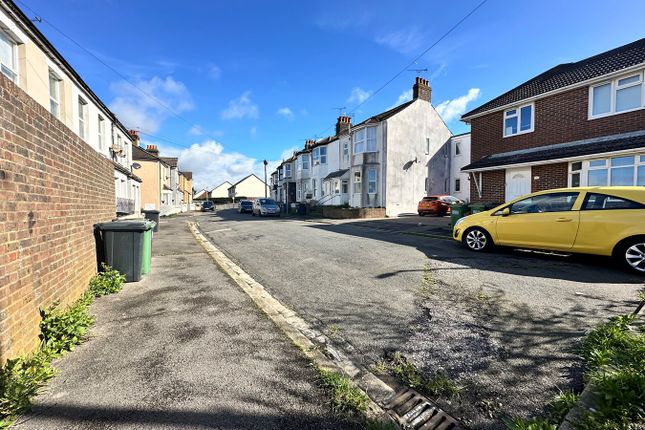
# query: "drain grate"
[[414, 411]]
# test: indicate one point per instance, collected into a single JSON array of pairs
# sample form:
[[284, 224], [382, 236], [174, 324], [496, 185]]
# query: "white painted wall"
[[405, 142], [251, 187], [221, 191], [456, 163]]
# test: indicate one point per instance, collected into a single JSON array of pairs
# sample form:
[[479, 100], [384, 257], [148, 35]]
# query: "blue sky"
[[251, 80]]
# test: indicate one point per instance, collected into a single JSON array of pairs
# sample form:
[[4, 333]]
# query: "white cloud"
[[196, 130], [358, 95], [241, 107], [452, 109], [404, 97], [214, 71], [147, 112], [285, 112], [253, 132], [211, 164], [406, 41], [289, 152]]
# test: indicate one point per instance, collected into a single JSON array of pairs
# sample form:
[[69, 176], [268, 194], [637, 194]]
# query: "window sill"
[[518, 133], [605, 115]]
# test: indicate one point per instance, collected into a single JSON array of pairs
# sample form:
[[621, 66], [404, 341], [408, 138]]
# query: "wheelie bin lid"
[[150, 211], [134, 225]]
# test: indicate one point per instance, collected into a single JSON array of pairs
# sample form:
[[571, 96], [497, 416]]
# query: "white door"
[[518, 182]]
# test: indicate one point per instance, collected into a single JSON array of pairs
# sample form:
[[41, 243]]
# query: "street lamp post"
[[265, 178]]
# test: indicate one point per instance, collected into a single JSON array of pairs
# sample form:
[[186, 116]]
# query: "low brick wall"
[[53, 188], [344, 213]]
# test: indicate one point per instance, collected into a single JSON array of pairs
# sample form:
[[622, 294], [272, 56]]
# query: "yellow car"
[[589, 220]]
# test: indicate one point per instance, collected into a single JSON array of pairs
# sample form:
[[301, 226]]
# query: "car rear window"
[[430, 199], [595, 202]]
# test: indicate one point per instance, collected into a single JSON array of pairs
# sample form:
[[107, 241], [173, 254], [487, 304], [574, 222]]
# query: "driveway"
[[504, 326]]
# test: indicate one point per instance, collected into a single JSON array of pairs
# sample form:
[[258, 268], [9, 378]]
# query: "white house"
[[459, 157], [220, 191], [248, 187]]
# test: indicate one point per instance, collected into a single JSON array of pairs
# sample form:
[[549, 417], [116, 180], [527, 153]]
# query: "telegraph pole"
[[265, 178]]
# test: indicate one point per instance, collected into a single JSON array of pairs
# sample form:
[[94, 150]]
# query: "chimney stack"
[[153, 150], [421, 90], [136, 140], [309, 143], [343, 125]]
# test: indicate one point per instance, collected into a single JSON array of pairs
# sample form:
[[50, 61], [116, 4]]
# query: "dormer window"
[[518, 120]]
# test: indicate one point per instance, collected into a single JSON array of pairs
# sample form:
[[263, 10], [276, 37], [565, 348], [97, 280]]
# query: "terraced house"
[[383, 161], [576, 124], [29, 60]]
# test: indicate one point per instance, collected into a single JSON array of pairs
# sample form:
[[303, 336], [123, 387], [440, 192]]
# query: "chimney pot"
[[422, 90], [343, 125]]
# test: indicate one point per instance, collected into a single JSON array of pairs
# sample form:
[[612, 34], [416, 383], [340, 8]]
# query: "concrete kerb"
[[314, 345]]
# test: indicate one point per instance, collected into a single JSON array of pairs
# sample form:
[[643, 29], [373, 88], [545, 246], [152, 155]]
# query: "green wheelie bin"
[[123, 246], [147, 248], [457, 211]]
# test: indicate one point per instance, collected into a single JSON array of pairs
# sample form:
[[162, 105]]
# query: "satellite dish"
[[136, 165]]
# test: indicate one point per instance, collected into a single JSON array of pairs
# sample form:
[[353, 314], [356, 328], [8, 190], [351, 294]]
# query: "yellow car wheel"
[[477, 239]]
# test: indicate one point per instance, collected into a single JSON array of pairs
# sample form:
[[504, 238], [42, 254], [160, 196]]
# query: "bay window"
[[358, 184], [364, 140], [305, 162], [371, 180], [619, 95]]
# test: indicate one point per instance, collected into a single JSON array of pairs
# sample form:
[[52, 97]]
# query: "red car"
[[436, 205]]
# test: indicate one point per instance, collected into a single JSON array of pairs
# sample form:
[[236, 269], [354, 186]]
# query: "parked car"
[[436, 205], [263, 207], [607, 221], [208, 206], [246, 206]]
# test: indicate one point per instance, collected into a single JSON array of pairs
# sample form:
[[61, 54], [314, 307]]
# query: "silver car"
[[264, 207]]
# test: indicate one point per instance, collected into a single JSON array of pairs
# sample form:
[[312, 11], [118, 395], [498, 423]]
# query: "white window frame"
[[364, 141], [518, 114], [346, 149], [101, 132], [299, 164], [372, 181], [82, 117], [639, 162], [344, 186], [14, 56], [612, 94], [287, 170], [358, 183], [54, 101]]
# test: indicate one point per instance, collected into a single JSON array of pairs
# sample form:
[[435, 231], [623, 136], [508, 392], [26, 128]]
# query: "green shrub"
[[61, 331], [109, 281]]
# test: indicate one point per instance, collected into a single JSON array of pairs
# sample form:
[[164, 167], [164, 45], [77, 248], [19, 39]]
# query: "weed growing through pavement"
[[436, 385], [346, 398], [333, 329], [61, 330]]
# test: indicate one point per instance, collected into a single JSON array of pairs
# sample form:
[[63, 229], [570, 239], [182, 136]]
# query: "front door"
[[518, 182], [545, 221], [292, 192]]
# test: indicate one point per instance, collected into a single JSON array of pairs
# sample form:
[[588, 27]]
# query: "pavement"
[[183, 348], [504, 325]]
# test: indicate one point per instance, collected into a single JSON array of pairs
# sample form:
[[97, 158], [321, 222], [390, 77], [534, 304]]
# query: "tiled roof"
[[187, 175], [324, 141], [171, 161], [564, 75], [336, 174], [140, 154], [599, 145]]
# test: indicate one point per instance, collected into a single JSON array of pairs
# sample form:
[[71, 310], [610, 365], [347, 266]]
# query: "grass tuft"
[[345, 396]]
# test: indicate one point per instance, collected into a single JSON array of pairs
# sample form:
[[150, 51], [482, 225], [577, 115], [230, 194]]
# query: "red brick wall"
[[53, 188], [559, 118], [549, 176], [493, 187]]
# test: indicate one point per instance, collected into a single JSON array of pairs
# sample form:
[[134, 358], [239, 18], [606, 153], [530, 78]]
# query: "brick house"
[[576, 124]]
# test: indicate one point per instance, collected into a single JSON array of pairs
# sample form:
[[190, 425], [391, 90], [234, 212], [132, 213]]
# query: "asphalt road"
[[182, 349], [504, 326]]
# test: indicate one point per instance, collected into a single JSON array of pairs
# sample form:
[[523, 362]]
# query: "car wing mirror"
[[505, 212]]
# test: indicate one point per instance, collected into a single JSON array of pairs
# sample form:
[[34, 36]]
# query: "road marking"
[[310, 341], [218, 230]]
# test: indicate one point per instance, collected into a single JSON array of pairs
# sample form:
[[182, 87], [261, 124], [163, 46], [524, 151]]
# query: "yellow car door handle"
[[564, 219]]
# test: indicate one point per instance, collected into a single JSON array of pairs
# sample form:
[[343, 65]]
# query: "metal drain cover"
[[414, 411]]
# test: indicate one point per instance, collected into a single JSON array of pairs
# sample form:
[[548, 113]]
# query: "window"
[[313, 187], [298, 194], [427, 146], [101, 133], [299, 163], [457, 149], [345, 187], [457, 185], [554, 202], [82, 115], [518, 120], [623, 170], [595, 202], [320, 155], [371, 180], [336, 186], [575, 172], [305, 162], [365, 140], [358, 184], [345, 149], [8, 56], [54, 94], [287, 170], [616, 96]]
